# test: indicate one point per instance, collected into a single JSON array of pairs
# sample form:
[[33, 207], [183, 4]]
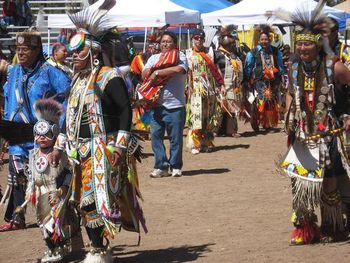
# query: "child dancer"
[[47, 185]]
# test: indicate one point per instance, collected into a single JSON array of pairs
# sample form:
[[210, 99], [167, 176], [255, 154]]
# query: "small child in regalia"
[[48, 186]]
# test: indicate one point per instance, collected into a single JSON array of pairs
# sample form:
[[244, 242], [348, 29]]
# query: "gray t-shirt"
[[172, 95]]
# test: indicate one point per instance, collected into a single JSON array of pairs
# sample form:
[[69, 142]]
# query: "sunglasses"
[[198, 38]]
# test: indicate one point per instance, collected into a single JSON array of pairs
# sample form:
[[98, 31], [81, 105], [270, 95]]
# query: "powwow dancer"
[[263, 69], [203, 108], [29, 80], [48, 186], [141, 114], [230, 65], [97, 138], [316, 157], [342, 110], [341, 49]]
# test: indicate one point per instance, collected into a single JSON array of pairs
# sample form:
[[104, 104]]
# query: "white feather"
[[99, 258]]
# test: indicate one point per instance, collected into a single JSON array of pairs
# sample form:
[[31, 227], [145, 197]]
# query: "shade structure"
[[250, 12], [203, 6], [137, 13]]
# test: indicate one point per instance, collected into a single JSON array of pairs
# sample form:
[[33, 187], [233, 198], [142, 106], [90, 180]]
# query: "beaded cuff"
[[122, 140], [61, 142]]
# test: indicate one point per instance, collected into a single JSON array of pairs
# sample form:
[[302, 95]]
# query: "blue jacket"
[[30, 86]]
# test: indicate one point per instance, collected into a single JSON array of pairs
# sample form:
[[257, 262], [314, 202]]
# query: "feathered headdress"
[[48, 110], [91, 23], [311, 23]]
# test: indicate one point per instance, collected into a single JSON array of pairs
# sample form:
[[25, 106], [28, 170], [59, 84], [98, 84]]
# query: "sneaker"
[[195, 151], [158, 173], [176, 173]]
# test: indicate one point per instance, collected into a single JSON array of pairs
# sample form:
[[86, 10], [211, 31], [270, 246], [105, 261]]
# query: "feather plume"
[[284, 14], [49, 110], [93, 21], [317, 12], [305, 17]]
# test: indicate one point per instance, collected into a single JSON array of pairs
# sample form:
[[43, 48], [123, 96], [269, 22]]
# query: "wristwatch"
[[157, 73]]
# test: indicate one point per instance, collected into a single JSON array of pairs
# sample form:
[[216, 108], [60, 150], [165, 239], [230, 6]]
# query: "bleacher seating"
[[49, 7]]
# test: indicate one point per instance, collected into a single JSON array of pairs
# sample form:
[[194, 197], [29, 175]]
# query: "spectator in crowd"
[[24, 13], [41, 80], [277, 41], [9, 12], [169, 110], [62, 37], [3, 29]]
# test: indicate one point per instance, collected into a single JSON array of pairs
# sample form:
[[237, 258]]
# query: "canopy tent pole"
[[144, 42], [188, 39], [48, 41], [243, 35], [180, 37]]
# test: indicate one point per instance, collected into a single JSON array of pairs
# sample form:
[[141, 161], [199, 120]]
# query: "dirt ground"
[[229, 206]]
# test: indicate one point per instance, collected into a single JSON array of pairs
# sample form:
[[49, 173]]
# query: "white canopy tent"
[[138, 13], [250, 12]]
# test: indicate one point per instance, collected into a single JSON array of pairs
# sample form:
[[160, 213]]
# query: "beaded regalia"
[[48, 185], [315, 156], [97, 130]]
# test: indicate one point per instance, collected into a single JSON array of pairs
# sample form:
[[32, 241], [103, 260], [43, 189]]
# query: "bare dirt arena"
[[229, 206]]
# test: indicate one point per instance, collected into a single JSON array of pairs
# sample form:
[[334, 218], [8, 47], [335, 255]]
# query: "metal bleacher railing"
[[46, 7]]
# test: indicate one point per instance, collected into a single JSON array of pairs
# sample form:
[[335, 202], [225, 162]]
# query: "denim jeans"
[[173, 121], [9, 20]]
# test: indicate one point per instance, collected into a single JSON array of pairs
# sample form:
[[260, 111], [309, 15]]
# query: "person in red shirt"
[[9, 11]]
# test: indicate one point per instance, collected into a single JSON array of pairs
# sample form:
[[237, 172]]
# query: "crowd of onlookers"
[[17, 12]]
